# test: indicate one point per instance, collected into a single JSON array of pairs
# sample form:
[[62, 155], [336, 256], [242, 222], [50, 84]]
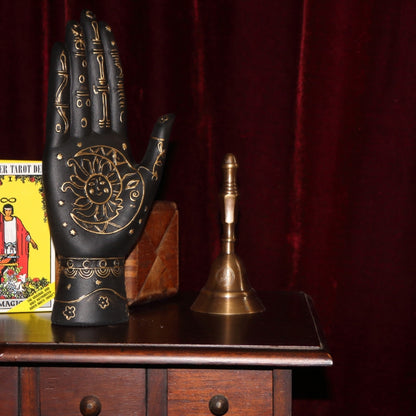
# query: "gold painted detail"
[[79, 43], [96, 38], [81, 298], [101, 88], [158, 163], [82, 95], [120, 82], [69, 312], [60, 105], [103, 302], [90, 14], [102, 180], [86, 268]]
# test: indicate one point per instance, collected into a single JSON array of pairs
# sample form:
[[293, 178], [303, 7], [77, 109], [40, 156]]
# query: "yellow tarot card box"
[[27, 256]]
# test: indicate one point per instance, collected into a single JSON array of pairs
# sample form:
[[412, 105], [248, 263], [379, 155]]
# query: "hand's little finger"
[[57, 123]]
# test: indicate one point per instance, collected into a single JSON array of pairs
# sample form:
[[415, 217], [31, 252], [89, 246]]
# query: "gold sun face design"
[[108, 191]]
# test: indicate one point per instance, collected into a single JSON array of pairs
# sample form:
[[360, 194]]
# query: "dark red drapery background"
[[317, 99]]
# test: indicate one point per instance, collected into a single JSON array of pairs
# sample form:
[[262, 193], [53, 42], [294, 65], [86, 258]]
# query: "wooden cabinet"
[[167, 360]]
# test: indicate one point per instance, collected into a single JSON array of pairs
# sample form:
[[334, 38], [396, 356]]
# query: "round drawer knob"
[[218, 405], [90, 406]]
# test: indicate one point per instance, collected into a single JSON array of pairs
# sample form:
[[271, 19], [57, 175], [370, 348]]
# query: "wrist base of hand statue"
[[90, 291]]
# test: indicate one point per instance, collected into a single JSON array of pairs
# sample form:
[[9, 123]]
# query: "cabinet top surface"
[[168, 332]]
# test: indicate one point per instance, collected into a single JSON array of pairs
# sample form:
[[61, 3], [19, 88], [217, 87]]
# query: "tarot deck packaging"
[[27, 257]]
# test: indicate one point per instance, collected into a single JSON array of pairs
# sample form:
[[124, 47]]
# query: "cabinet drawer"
[[8, 389], [190, 391], [120, 391]]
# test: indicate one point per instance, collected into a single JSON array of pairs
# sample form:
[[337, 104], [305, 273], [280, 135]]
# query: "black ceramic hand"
[[97, 197]]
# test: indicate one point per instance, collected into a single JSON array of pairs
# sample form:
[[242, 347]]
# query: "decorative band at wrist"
[[74, 267]]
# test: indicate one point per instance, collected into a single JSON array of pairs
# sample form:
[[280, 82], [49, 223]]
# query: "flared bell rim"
[[227, 303]]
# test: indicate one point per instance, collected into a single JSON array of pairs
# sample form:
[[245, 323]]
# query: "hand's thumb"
[[153, 159]]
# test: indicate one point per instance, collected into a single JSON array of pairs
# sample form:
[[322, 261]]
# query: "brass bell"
[[227, 290]]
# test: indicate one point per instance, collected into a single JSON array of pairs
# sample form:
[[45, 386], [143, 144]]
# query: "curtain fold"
[[317, 101]]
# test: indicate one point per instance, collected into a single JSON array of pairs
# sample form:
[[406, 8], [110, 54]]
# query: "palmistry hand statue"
[[97, 197]]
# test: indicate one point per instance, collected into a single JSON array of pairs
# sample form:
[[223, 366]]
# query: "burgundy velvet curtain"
[[317, 100]]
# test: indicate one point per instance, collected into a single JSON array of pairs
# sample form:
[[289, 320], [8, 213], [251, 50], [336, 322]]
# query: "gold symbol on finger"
[[82, 94], [79, 43], [101, 79], [120, 83], [105, 120], [102, 89], [90, 14], [96, 37]]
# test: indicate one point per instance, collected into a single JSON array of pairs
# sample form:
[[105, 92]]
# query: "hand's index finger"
[[80, 101]]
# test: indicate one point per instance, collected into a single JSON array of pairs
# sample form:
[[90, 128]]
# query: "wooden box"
[[152, 268]]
